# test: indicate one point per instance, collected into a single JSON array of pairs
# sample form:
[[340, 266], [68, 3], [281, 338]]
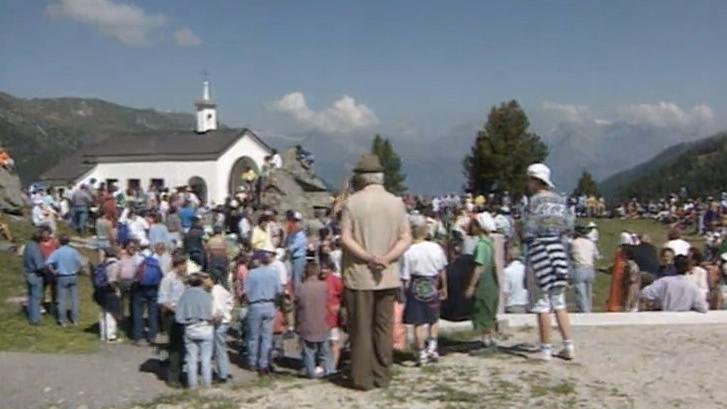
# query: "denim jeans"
[[80, 218], [67, 298], [198, 341], [145, 296], [260, 320], [314, 353], [297, 268], [583, 277], [175, 348], [35, 297], [222, 359]]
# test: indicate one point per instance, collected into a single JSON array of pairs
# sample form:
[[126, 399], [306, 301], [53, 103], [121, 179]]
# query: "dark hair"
[[178, 260], [64, 240], [666, 250], [681, 264], [695, 255], [194, 280], [311, 270]]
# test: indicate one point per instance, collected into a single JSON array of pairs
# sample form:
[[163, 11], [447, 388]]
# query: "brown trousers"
[[370, 317]]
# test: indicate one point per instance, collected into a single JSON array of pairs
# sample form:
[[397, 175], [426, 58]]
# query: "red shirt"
[[47, 247], [333, 303]]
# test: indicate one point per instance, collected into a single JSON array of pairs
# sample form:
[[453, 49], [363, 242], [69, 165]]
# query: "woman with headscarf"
[[483, 285]]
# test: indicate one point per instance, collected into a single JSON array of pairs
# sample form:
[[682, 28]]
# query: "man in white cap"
[[375, 233], [547, 220]]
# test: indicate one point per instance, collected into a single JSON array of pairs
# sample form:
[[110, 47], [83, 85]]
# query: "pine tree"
[[502, 151], [393, 177], [586, 185]]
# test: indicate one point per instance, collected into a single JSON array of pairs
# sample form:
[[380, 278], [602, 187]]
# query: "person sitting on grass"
[[677, 292], [194, 311], [423, 272]]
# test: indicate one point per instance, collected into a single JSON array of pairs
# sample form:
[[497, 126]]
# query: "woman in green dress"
[[483, 285]]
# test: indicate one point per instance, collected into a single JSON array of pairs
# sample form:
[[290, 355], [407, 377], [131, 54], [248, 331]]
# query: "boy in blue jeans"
[[311, 304]]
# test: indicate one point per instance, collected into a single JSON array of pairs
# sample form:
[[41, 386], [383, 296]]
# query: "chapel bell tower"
[[206, 111]]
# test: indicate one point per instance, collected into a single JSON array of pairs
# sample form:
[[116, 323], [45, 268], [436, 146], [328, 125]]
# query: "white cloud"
[[667, 114], [126, 23], [567, 112], [345, 115], [186, 38]]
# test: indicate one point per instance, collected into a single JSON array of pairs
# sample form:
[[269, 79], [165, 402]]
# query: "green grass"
[[16, 334]]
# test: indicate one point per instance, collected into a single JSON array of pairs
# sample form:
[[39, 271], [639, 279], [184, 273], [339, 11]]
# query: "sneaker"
[[567, 353], [543, 355], [422, 358], [433, 356]]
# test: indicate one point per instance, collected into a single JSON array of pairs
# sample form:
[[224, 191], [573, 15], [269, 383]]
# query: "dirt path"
[[616, 367], [118, 376]]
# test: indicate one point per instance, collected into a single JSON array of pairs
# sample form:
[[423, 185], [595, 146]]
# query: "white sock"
[[547, 348], [568, 343]]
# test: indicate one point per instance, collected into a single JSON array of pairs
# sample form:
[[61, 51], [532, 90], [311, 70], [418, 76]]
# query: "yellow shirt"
[[260, 240], [249, 176]]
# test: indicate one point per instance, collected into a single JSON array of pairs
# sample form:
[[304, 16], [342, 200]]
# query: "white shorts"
[[550, 301], [334, 335]]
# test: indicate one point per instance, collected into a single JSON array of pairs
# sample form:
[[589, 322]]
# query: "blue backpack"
[[150, 273], [100, 275], [122, 234]]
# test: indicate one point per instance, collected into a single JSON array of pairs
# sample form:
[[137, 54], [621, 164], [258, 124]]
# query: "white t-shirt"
[[698, 276], [137, 229], [583, 252], [425, 258], [336, 256], [679, 246], [282, 271], [515, 284], [277, 161], [222, 303]]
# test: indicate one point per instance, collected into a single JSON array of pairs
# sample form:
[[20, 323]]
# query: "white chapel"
[[207, 159]]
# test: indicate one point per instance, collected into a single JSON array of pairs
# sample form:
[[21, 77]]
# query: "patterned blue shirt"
[[547, 215]]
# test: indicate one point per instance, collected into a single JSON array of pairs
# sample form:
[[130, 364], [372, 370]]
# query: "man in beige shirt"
[[375, 234]]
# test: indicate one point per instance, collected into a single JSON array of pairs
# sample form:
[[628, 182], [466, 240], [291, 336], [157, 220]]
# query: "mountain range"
[[699, 166], [40, 131], [604, 149]]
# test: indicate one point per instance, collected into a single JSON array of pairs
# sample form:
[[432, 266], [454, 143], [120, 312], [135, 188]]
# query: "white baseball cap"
[[486, 221], [541, 172]]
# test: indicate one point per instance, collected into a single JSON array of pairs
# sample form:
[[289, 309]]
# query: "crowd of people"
[[347, 282]]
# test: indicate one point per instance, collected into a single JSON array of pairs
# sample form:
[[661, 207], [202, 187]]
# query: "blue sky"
[[412, 68]]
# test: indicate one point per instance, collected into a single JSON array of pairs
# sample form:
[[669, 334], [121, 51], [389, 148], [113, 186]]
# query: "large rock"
[[11, 197], [296, 187]]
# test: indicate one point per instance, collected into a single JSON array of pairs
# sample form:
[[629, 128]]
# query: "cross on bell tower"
[[206, 109]]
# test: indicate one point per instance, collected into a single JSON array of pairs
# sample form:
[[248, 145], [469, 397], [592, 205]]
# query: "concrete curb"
[[602, 319]]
